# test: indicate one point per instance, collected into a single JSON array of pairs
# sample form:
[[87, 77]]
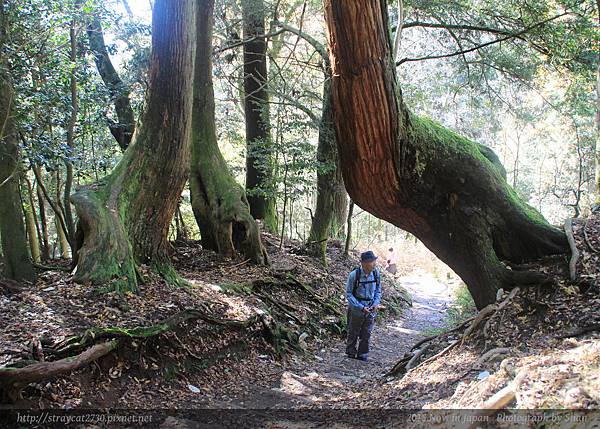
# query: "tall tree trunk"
[[123, 129], [125, 219], [340, 203], [182, 234], [59, 220], [259, 168], [68, 213], [219, 203], [17, 264], [33, 228], [331, 206], [326, 173], [62, 239], [43, 218], [448, 191], [597, 142], [349, 229]]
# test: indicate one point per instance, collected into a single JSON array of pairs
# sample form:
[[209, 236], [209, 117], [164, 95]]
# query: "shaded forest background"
[[519, 78], [215, 144]]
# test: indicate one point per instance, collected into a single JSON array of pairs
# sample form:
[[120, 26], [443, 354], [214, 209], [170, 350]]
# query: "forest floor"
[[330, 379], [272, 338]]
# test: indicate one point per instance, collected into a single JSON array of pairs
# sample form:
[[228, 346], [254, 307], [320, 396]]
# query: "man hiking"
[[363, 291]]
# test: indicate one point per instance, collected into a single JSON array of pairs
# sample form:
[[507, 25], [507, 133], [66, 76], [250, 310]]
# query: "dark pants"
[[359, 329]]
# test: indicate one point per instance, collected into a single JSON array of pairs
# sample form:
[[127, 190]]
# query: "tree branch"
[[483, 45]]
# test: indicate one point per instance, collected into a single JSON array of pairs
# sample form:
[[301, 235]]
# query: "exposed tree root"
[[410, 359], [491, 354], [440, 354], [76, 343], [433, 337], [418, 353], [13, 380], [51, 268], [500, 306], [310, 291], [582, 331], [499, 400], [485, 312], [12, 286], [282, 306]]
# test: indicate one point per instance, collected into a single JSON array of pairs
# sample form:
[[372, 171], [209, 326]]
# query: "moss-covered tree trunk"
[[124, 219], [32, 226], [219, 203], [259, 168], [448, 191], [122, 130], [17, 264], [326, 173]]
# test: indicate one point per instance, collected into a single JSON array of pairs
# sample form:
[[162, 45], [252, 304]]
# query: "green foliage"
[[464, 306], [536, 87]]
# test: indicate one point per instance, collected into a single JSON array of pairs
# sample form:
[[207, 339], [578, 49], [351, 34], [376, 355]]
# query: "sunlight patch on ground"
[[237, 306], [405, 330]]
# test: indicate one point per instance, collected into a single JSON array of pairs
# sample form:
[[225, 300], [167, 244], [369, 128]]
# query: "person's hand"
[[366, 310]]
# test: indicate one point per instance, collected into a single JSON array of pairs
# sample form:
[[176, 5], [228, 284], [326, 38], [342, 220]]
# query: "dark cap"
[[367, 256]]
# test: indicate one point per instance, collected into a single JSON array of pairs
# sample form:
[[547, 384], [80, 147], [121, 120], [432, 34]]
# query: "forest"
[[187, 185]]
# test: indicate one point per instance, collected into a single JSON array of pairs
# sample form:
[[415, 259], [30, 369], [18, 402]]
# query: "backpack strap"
[[356, 280]]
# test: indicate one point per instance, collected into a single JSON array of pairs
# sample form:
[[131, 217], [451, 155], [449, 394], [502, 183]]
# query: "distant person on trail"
[[363, 291], [392, 261]]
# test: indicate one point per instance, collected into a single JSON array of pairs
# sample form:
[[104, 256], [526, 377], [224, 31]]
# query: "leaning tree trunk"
[[124, 219], [448, 191], [123, 129], [259, 169], [17, 264], [219, 203]]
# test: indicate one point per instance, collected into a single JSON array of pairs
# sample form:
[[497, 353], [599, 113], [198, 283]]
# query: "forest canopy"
[[258, 143]]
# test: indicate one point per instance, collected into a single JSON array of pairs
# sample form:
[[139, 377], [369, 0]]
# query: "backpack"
[[357, 281]]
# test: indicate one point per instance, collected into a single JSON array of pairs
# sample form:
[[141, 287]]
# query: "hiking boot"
[[363, 358]]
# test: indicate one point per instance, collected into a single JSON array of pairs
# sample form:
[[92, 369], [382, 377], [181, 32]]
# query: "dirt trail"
[[332, 379]]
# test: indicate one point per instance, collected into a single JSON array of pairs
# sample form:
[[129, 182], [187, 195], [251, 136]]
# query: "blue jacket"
[[372, 291]]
